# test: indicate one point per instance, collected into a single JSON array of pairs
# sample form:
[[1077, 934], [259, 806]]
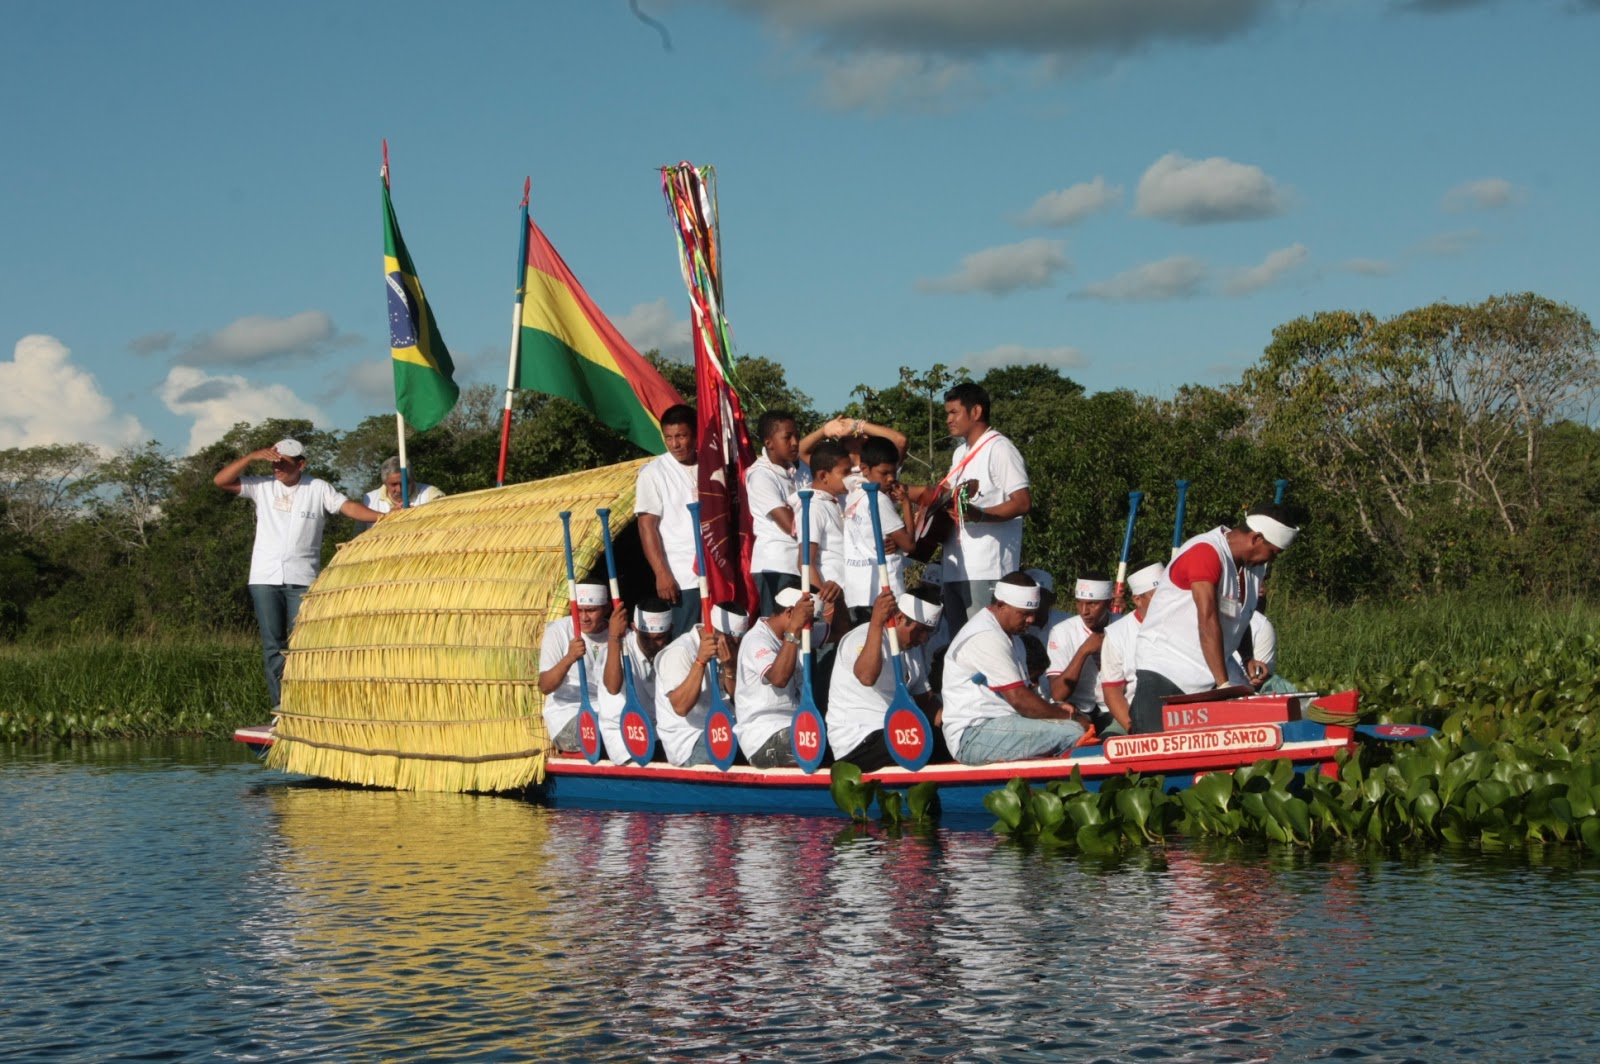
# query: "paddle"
[[808, 735], [906, 730], [722, 744], [1280, 486], [1177, 520], [588, 722], [638, 727], [1127, 547]]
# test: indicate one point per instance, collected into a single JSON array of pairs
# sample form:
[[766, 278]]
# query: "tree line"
[[1450, 447]]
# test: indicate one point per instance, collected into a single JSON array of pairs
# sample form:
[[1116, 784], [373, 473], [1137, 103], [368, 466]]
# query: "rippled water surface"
[[177, 901]]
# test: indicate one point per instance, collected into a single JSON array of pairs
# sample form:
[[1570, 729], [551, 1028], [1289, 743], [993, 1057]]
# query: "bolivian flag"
[[570, 349], [423, 389]]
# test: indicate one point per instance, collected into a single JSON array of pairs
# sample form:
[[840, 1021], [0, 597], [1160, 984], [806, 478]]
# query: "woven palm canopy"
[[414, 662]]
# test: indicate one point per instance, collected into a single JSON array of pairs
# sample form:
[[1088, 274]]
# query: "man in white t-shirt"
[[862, 577], [769, 681], [666, 487], [863, 678], [559, 654], [990, 712], [1119, 652], [825, 568], [639, 644], [291, 510], [1074, 648], [683, 688], [770, 485], [988, 482], [1201, 612], [385, 498]]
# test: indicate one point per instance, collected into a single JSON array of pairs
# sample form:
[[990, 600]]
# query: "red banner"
[[725, 454]]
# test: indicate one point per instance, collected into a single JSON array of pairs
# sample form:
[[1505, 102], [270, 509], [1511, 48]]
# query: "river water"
[[176, 901]]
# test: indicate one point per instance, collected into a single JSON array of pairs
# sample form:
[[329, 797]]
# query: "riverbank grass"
[[131, 688]]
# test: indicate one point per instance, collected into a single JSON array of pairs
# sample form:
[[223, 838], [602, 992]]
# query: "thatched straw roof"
[[414, 662]]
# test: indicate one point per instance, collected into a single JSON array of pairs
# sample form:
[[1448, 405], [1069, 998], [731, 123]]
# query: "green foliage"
[[916, 806], [111, 689]]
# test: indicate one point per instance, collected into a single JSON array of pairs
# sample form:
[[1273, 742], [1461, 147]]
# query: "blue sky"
[[1136, 191]]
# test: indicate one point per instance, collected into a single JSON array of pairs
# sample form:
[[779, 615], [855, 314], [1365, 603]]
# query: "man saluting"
[[1202, 610]]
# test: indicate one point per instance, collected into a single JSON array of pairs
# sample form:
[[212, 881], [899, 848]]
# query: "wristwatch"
[[790, 637]]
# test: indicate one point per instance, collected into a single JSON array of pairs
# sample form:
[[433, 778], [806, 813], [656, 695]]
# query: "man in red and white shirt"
[[1202, 610], [769, 681], [990, 712], [1119, 652]]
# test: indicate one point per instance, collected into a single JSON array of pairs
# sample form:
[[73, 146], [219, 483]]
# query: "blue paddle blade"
[[720, 739], [638, 726], [906, 731], [808, 737]]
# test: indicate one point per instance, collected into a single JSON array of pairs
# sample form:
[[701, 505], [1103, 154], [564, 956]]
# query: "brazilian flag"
[[423, 389]]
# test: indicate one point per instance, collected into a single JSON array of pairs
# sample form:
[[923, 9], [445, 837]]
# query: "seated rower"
[[1075, 649], [641, 641], [560, 651], [1117, 657], [1202, 610], [863, 678], [683, 695], [769, 681], [990, 712]]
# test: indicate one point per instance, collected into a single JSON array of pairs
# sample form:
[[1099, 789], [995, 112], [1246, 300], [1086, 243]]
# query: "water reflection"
[[170, 905]]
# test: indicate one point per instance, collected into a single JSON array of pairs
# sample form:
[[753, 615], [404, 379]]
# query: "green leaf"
[[1005, 805], [923, 801], [1098, 839]]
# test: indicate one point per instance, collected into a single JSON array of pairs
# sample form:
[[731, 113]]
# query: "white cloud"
[[1177, 277], [1070, 205], [1201, 191], [1450, 244], [1369, 267], [653, 326], [999, 270], [1274, 266], [1019, 355], [881, 80], [256, 338], [218, 403], [45, 399], [1481, 195]]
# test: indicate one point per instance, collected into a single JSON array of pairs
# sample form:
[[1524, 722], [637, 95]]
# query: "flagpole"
[[516, 335], [399, 419]]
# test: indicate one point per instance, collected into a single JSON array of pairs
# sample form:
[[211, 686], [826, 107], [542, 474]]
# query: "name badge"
[[283, 502], [1229, 607]]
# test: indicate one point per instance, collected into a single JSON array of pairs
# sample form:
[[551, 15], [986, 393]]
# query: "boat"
[[1200, 736]]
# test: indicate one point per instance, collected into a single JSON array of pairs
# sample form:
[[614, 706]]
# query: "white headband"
[[919, 610], [591, 595], [1146, 579], [1272, 530], [1042, 578], [733, 625], [1023, 598], [1094, 590], [652, 623], [788, 597]]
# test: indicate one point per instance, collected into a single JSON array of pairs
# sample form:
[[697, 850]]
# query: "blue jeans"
[[1014, 738], [276, 605]]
